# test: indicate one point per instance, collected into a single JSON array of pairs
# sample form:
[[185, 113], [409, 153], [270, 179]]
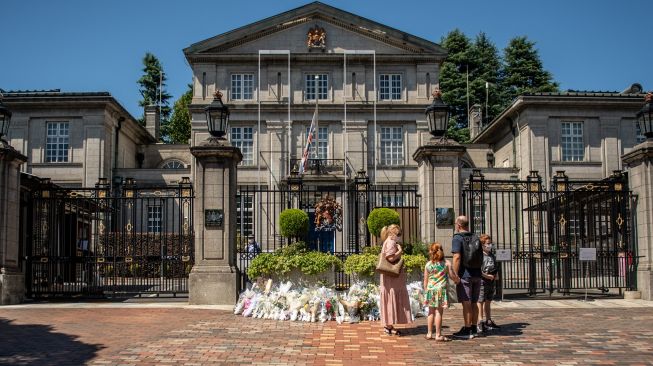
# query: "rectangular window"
[[392, 146], [242, 86], [316, 84], [390, 87], [639, 136], [322, 150], [571, 141], [243, 138], [392, 199], [56, 147], [245, 214], [154, 219]]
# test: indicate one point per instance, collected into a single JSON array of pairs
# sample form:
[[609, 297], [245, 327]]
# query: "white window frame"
[[572, 142], [390, 86], [242, 86], [392, 146], [392, 199], [57, 143], [245, 213], [322, 150], [310, 89], [242, 137], [154, 219]]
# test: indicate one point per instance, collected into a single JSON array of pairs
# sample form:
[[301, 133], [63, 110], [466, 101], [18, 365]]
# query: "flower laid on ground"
[[287, 301]]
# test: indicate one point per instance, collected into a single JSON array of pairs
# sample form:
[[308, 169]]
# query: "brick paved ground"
[[153, 336]]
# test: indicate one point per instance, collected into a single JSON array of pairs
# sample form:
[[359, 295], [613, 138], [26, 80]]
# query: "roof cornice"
[[595, 100], [311, 12]]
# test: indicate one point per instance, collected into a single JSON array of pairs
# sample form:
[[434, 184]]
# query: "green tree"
[[453, 82], [485, 85], [523, 71], [152, 87], [177, 129]]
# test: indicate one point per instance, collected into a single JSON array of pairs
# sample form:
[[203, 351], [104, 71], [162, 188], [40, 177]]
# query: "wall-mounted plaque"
[[444, 216], [214, 219]]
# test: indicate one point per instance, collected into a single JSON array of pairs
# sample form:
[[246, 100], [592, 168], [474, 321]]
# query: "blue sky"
[[82, 45]]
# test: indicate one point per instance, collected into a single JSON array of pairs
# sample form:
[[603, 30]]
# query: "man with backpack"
[[467, 261]]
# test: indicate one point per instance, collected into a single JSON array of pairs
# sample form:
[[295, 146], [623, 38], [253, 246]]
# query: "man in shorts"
[[468, 287]]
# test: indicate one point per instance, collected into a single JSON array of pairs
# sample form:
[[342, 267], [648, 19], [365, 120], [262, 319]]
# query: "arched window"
[[173, 164]]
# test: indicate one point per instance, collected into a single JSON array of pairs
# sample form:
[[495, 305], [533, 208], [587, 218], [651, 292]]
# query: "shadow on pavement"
[[36, 344], [508, 329]]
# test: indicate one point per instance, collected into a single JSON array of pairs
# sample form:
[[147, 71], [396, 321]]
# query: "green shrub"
[[374, 249], [414, 262], [417, 248], [380, 217], [279, 264], [293, 223], [293, 249], [361, 264]]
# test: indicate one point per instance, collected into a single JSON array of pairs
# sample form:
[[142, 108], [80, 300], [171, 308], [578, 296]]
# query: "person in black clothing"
[[490, 275], [468, 286]]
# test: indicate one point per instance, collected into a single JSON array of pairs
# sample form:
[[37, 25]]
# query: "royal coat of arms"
[[328, 215], [316, 37]]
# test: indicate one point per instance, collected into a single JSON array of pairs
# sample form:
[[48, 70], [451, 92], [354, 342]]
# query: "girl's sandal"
[[442, 339], [396, 332], [429, 337]]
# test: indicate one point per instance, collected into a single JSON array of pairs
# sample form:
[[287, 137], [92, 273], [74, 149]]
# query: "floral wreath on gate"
[[328, 215]]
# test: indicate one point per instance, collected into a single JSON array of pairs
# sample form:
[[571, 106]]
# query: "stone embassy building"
[[370, 85]]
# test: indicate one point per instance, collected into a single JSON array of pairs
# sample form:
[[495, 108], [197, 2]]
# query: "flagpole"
[[317, 117]]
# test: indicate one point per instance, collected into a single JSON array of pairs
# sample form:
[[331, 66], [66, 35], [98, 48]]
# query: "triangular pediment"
[[289, 31]]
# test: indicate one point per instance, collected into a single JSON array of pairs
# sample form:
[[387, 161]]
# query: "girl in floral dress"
[[436, 277]]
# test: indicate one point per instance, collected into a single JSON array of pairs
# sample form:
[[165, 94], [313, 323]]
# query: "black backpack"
[[472, 251]]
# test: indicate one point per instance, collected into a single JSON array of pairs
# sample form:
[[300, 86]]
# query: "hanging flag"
[[309, 139]]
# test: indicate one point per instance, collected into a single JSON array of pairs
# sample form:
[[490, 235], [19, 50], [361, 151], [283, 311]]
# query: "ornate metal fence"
[[258, 210], [104, 242], [545, 230]]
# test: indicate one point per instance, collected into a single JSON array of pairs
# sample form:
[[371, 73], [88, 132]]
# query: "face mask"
[[487, 247]]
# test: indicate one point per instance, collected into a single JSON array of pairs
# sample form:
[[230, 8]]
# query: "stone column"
[[12, 280], [214, 277], [439, 185], [640, 163]]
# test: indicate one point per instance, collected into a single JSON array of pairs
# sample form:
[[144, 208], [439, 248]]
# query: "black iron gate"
[[545, 230], [257, 213], [110, 242]]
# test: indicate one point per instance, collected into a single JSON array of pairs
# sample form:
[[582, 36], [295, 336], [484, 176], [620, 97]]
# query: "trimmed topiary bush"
[[380, 217], [293, 223]]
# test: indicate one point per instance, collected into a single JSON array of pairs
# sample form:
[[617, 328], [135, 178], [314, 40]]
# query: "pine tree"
[[523, 71], [177, 130], [484, 77], [151, 84], [453, 82]]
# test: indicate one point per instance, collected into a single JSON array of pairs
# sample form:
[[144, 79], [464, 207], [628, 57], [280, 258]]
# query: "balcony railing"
[[320, 166]]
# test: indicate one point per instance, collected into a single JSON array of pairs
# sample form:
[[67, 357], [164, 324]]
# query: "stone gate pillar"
[[439, 184], [640, 180], [214, 277], [12, 280]]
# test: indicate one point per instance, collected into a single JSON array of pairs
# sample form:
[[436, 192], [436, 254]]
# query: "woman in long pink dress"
[[395, 305]]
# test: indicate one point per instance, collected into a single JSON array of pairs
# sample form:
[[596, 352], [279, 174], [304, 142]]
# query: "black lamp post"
[[5, 120], [294, 182], [645, 116], [437, 115], [217, 117]]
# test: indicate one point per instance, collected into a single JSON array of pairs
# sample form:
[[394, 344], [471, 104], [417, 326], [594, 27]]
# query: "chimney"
[[152, 121], [475, 120]]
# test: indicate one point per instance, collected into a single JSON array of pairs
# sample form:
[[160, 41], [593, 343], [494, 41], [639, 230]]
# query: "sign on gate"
[[504, 255], [587, 254]]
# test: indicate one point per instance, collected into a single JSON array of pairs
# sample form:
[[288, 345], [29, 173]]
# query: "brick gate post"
[[12, 280], [214, 277]]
